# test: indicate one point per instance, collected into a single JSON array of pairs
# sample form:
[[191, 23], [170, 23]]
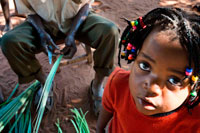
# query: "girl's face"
[[155, 79]]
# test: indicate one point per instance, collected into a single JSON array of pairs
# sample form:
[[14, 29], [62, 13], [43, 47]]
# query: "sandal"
[[96, 100], [49, 104]]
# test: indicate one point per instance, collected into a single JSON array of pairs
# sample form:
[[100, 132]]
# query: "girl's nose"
[[153, 85]]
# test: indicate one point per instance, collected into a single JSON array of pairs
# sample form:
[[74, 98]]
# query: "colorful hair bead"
[[123, 41], [134, 27], [193, 93], [142, 23], [195, 78], [188, 71], [129, 46], [130, 57], [123, 53], [133, 50], [134, 23]]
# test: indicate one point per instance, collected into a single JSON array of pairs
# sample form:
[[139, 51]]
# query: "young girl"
[[161, 92]]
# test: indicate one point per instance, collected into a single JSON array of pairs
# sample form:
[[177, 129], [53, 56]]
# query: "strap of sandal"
[[94, 97]]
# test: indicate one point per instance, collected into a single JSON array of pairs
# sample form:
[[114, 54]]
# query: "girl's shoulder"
[[118, 79], [120, 74]]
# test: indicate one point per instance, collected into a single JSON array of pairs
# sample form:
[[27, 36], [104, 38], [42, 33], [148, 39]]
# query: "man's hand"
[[70, 47], [47, 42]]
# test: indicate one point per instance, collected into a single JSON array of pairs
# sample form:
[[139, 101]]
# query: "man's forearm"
[[78, 19], [35, 20]]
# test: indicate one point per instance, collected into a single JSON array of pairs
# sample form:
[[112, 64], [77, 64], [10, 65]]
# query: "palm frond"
[[45, 93], [20, 106], [8, 111]]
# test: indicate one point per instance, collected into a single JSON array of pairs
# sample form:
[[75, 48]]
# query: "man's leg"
[[103, 35], [6, 13], [19, 47]]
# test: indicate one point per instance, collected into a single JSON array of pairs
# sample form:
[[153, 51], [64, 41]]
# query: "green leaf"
[[27, 116], [76, 128], [21, 118], [21, 124], [45, 93], [13, 92], [58, 126], [20, 102], [80, 123], [29, 125]]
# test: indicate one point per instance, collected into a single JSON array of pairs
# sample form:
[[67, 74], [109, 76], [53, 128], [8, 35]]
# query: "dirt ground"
[[74, 80]]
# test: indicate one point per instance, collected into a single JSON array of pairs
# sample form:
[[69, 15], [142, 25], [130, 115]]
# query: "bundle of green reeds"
[[79, 122], [45, 93], [20, 106]]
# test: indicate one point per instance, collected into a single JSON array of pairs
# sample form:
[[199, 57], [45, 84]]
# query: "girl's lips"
[[147, 104]]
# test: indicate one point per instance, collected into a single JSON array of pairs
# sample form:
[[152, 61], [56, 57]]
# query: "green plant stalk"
[[9, 110], [80, 123], [7, 117], [45, 93], [80, 120], [21, 123], [8, 99], [26, 107], [18, 118], [84, 124], [84, 121], [15, 100], [58, 126], [23, 102], [16, 129], [75, 126], [28, 115], [29, 126], [13, 92]]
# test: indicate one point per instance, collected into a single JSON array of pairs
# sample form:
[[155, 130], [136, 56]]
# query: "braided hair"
[[185, 24]]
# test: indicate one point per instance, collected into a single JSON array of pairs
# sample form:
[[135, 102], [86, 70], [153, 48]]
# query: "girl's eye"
[[175, 81], [144, 66]]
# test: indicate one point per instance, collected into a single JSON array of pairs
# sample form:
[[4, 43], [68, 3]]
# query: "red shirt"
[[118, 100]]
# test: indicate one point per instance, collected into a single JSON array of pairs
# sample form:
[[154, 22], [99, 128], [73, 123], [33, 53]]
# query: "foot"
[[49, 104], [96, 96]]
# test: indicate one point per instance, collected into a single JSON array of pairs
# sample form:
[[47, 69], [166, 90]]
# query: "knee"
[[114, 30], [111, 30], [8, 42]]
